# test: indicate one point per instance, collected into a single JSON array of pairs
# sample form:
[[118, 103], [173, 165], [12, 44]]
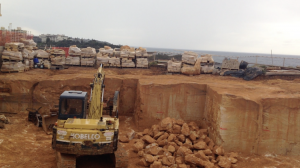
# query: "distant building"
[[52, 37], [37, 39]]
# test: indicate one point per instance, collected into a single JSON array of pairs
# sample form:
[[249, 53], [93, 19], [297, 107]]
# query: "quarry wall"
[[238, 123]]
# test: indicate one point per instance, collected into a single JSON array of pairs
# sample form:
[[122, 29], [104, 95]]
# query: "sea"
[[251, 58]]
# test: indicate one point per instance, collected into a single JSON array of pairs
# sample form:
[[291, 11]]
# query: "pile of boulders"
[[174, 143]]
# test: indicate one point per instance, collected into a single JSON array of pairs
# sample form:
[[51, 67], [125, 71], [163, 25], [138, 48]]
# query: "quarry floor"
[[24, 145]]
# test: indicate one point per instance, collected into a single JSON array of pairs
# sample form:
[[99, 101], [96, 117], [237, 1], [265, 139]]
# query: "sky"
[[254, 26]]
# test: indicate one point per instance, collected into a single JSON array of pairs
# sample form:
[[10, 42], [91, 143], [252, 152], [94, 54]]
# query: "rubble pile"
[[174, 143], [74, 56]]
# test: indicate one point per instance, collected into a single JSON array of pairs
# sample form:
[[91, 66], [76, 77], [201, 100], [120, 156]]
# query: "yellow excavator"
[[81, 129]]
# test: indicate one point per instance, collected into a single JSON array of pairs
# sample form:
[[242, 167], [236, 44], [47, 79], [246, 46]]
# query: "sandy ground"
[[24, 145]]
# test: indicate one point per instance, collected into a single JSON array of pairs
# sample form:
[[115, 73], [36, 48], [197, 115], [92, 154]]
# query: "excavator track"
[[65, 160], [121, 157]]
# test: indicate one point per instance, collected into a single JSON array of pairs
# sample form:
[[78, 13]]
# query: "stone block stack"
[[142, 63], [57, 57], [127, 55], [207, 63], [174, 66], [88, 56], [74, 56], [175, 143], [29, 52], [104, 56], [12, 58]]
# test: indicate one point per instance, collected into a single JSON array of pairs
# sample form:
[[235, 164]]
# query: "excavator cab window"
[[72, 104]]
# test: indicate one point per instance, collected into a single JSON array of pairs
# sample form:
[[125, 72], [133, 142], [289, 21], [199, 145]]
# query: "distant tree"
[[48, 41]]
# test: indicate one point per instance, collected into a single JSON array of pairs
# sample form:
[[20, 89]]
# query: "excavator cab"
[[72, 104]]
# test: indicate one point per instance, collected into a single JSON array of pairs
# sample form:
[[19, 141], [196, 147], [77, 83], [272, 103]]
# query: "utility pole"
[[0, 10]]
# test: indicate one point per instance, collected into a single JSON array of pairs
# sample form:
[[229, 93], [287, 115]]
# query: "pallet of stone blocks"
[[174, 66], [58, 57], [12, 55], [141, 53], [88, 52], [106, 51], [104, 60], [189, 57], [12, 66], [29, 44], [207, 64], [14, 46], [188, 69], [127, 52], [74, 50], [127, 63], [117, 52], [142, 63], [114, 62], [87, 62], [230, 64]]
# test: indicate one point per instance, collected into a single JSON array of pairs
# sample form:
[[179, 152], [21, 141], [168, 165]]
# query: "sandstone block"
[[156, 136], [138, 146], [171, 149], [193, 135], [164, 136], [183, 151], [131, 134], [179, 160], [171, 137], [200, 154], [163, 142]]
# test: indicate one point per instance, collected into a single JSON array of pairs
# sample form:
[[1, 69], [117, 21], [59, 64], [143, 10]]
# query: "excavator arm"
[[97, 93]]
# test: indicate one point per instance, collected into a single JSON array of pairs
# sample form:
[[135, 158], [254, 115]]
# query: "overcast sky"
[[256, 26]]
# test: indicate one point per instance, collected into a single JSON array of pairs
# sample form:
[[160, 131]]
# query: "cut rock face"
[[174, 143]]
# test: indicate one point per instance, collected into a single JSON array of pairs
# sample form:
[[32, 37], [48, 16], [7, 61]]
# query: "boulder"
[[149, 158], [193, 135], [176, 129], [182, 166], [207, 152], [181, 137], [123, 139], [163, 142], [164, 136], [200, 145], [148, 139], [141, 153], [185, 130], [193, 126], [179, 122], [145, 132], [166, 124], [138, 146], [171, 149], [156, 164], [155, 129], [179, 160], [154, 150], [218, 150], [156, 136], [183, 151], [224, 162], [171, 137], [178, 142], [168, 160], [200, 154], [131, 134], [143, 162]]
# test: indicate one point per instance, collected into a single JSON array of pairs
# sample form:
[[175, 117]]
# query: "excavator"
[[82, 129]]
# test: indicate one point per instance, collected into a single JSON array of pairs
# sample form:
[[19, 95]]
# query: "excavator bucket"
[[48, 123]]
